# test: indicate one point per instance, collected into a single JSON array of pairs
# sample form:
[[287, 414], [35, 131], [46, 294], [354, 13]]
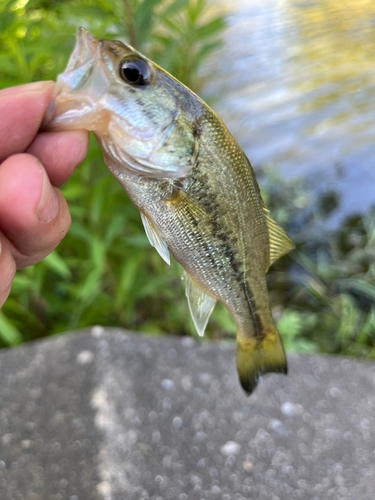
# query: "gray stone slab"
[[108, 415]]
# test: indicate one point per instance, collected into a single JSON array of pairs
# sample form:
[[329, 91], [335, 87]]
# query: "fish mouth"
[[84, 51], [76, 94]]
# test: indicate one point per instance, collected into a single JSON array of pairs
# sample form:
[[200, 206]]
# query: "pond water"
[[296, 80]]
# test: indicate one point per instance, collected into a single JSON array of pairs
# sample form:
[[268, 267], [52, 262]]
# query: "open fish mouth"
[[75, 98], [84, 51]]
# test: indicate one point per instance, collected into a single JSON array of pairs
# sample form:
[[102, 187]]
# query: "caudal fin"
[[258, 356]]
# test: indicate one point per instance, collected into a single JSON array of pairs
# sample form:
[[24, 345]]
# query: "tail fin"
[[258, 356]]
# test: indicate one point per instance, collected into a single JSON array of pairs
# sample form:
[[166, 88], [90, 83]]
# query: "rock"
[[230, 448], [108, 415]]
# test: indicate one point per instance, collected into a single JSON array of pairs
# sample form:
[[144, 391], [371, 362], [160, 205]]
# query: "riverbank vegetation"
[[105, 272]]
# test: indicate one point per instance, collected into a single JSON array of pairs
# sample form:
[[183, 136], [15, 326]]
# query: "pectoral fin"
[[200, 304], [155, 239], [279, 242]]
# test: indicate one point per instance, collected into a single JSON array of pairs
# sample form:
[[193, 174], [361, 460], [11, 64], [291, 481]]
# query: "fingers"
[[34, 216], [7, 269], [22, 110], [60, 153]]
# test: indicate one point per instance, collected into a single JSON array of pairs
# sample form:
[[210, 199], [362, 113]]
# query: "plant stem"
[[132, 33]]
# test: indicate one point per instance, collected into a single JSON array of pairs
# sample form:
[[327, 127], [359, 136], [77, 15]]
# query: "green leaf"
[[358, 285], [290, 324], [144, 9], [54, 262], [204, 51], [9, 334], [79, 231], [173, 8], [73, 190], [210, 29], [21, 283], [173, 26], [143, 16], [195, 9], [138, 241], [127, 278], [98, 253], [114, 229], [6, 19], [89, 289], [349, 318]]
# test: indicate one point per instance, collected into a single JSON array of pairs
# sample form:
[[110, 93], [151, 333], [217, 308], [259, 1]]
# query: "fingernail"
[[48, 205]]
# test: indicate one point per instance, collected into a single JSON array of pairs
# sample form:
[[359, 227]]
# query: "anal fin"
[[200, 304], [155, 239]]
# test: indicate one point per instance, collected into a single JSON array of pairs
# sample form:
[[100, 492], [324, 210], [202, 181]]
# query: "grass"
[[105, 272]]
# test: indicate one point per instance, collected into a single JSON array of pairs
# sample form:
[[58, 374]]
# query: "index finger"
[[22, 110]]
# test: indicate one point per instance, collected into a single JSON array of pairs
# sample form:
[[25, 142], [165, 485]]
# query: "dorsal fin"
[[279, 241], [200, 304], [256, 185], [155, 239]]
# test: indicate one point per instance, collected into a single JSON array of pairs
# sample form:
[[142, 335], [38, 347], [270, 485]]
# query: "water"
[[296, 80]]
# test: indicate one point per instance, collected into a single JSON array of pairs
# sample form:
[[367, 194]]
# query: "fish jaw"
[[75, 103], [85, 49]]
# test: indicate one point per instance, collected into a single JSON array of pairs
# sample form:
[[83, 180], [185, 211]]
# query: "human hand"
[[34, 216]]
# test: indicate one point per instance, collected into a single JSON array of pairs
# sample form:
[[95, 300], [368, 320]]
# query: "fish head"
[[144, 119]]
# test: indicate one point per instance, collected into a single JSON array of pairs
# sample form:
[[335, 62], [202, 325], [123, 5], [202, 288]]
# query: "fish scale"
[[218, 150], [190, 180]]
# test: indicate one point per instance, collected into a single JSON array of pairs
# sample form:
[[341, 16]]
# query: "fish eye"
[[135, 71]]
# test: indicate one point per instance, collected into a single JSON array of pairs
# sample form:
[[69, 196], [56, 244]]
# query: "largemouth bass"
[[192, 183]]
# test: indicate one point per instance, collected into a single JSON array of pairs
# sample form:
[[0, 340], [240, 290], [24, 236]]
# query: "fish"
[[194, 187]]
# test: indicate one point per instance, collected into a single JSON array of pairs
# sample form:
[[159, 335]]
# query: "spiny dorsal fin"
[[200, 304], [155, 239], [280, 243]]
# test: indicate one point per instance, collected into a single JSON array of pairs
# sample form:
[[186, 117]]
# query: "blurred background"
[[294, 80]]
